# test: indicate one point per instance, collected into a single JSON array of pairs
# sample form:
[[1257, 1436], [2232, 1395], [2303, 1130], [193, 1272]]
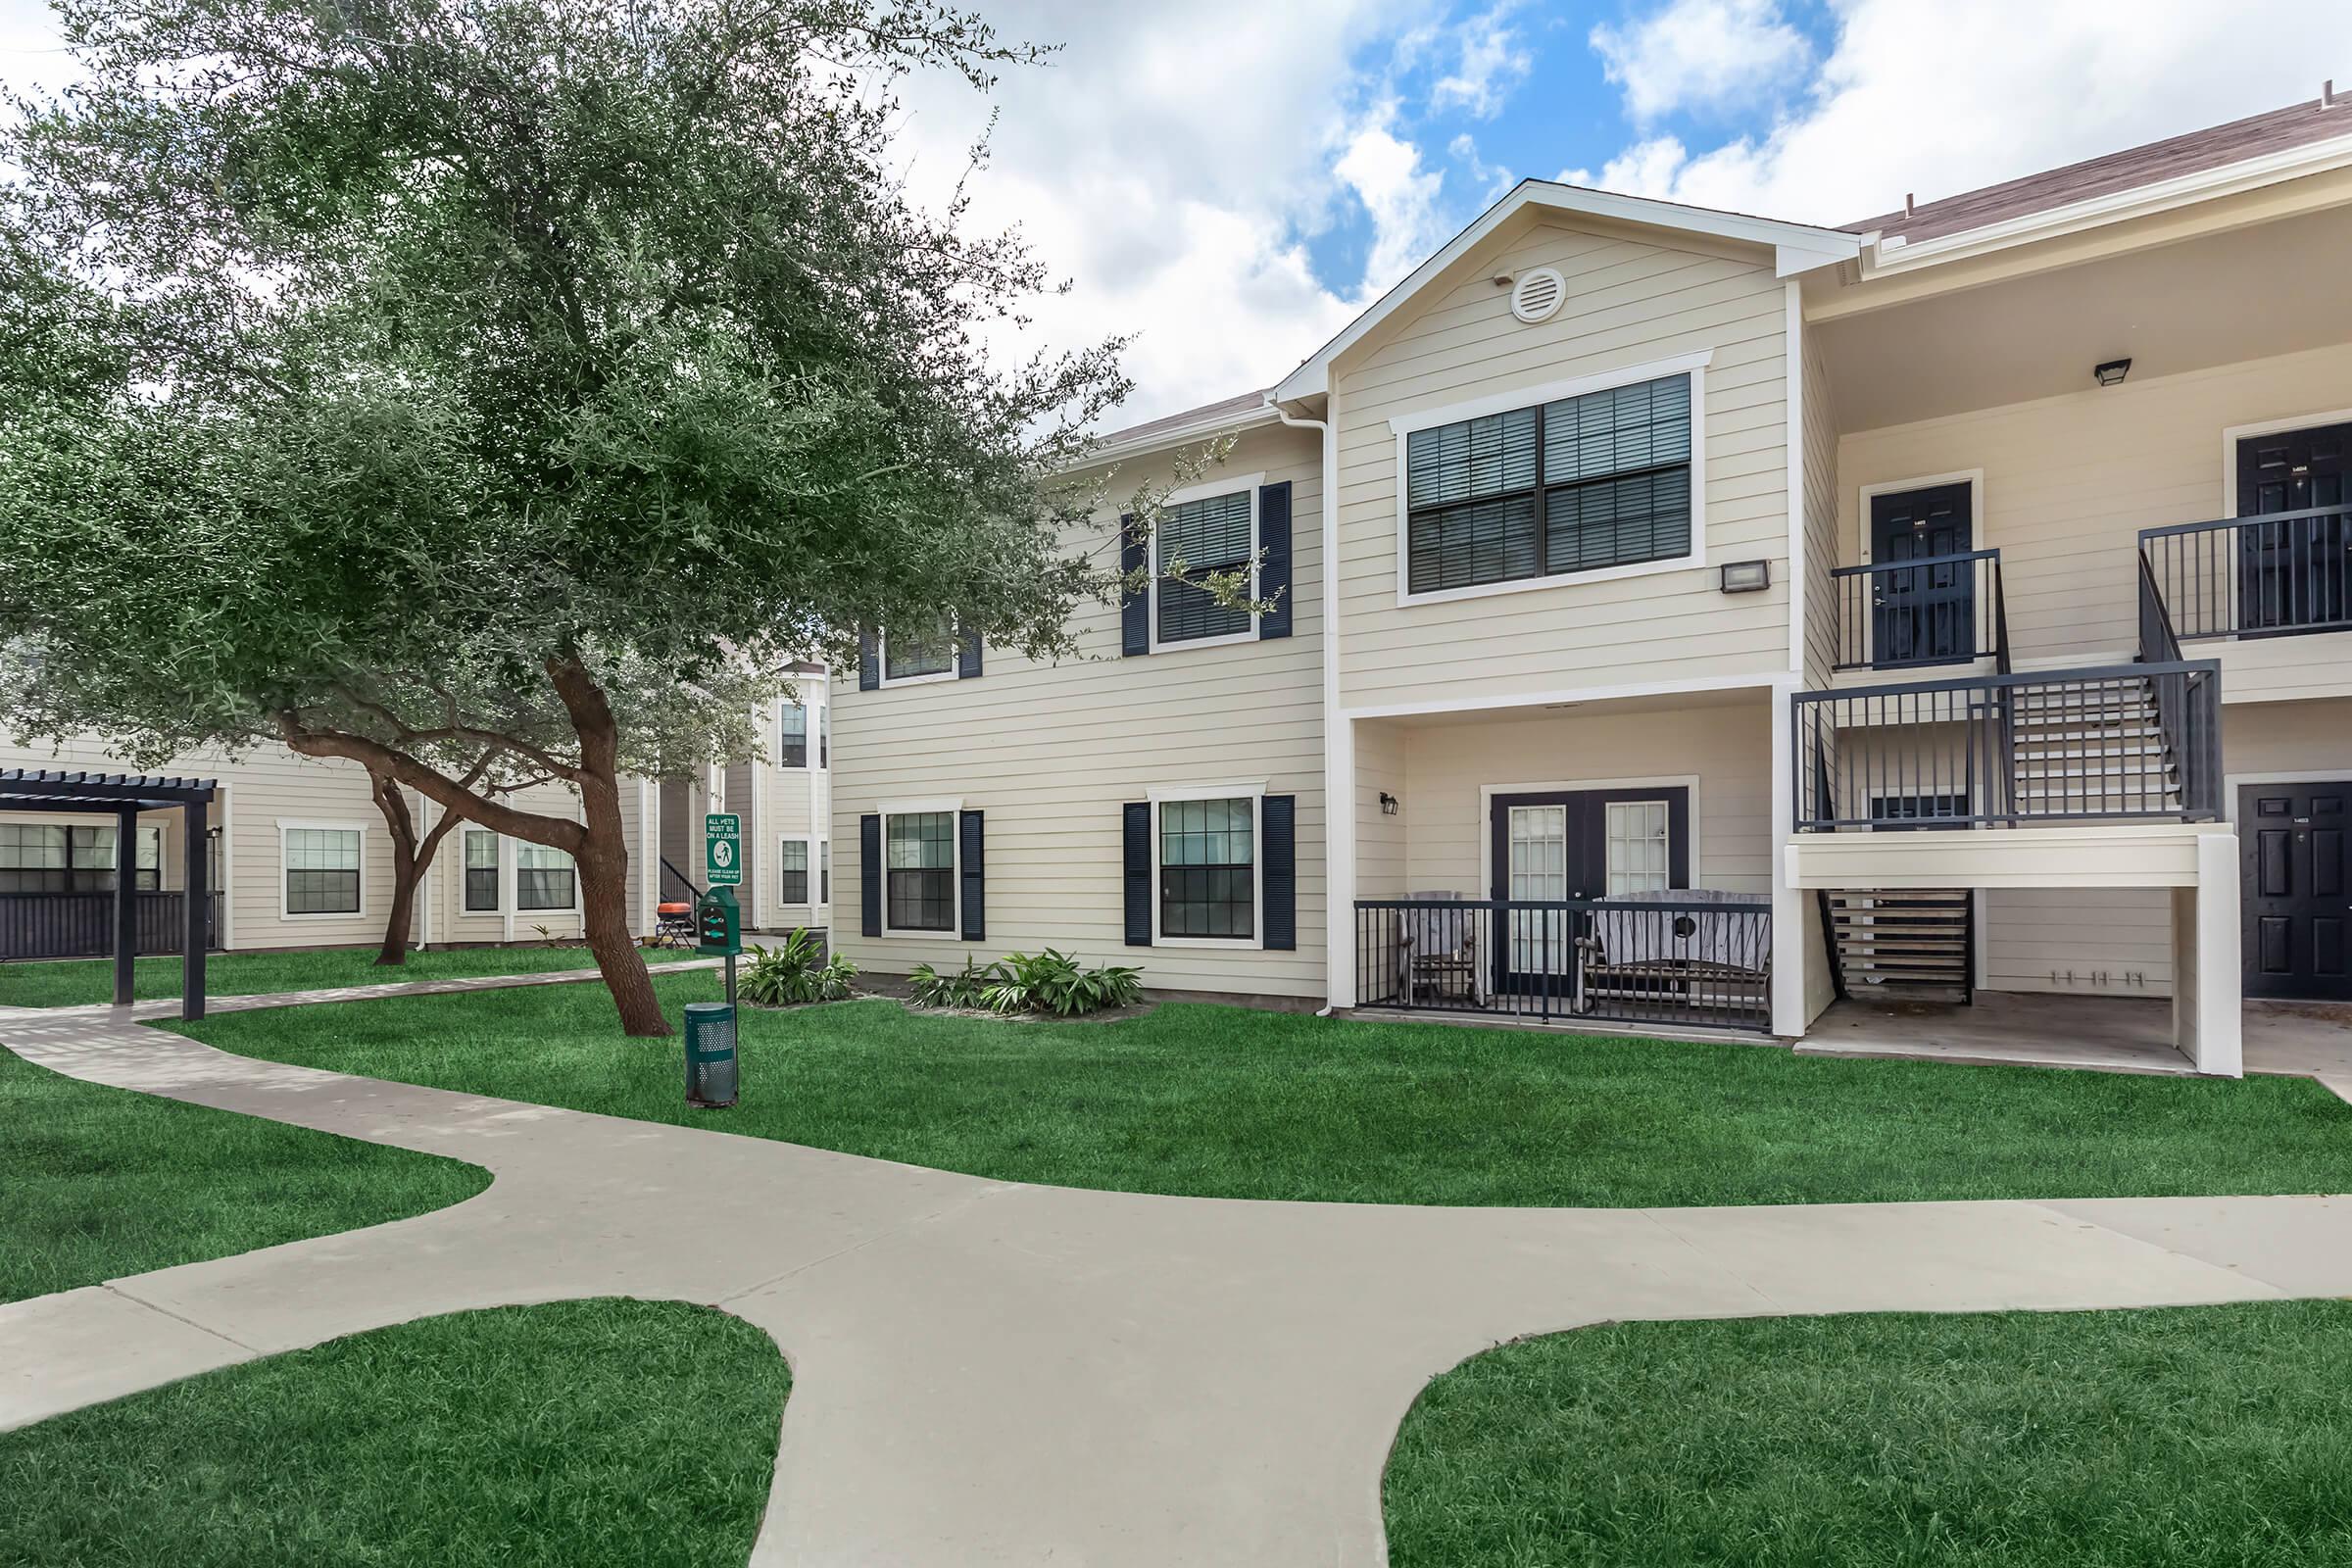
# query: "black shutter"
[[1135, 605], [870, 662], [869, 874], [967, 653], [974, 856], [1136, 822], [1274, 574], [1281, 823]]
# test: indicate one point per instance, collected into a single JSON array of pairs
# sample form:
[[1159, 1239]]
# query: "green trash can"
[[709, 1054]]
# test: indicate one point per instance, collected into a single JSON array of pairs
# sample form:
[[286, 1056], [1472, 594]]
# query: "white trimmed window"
[[791, 863], [917, 656], [545, 878], [918, 859], [792, 736], [1206, 872], [53, 857], [1639, 849], [824, 871], [321, 869], [481, 871], [1199, 534]]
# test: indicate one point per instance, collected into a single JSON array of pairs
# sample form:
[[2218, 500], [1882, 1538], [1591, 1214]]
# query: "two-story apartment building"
[[1693, 618]]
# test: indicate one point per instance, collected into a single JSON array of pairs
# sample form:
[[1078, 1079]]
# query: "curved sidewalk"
[[989, 1372]]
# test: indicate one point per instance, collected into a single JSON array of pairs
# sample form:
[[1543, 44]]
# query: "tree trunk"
[[603, 856], [411, 857]]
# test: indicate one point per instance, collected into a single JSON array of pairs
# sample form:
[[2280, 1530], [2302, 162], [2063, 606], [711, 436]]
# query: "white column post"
[[2207, 1006], [1339, 859], [1790, 950]]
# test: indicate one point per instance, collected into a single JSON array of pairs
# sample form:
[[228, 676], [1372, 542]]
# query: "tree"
[[414, 382]]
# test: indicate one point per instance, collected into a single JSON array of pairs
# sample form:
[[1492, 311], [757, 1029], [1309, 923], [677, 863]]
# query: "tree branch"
[[558, 832]]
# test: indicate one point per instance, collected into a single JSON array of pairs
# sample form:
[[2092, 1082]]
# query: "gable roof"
[[2216, 147], [1797, 248]]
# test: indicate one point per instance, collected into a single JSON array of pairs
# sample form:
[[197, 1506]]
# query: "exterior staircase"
[[1914, 945], [2091, 750]]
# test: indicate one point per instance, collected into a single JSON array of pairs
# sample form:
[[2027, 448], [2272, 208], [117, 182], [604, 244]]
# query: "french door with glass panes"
[[1559, 847]]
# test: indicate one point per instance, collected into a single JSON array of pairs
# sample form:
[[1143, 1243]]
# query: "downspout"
[[1339, 750]]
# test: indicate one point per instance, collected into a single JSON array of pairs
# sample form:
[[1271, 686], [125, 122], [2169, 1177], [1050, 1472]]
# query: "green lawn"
[[604, 1432], [97, 1182], [1230, 1103], [75, 981], [2212, 1437]]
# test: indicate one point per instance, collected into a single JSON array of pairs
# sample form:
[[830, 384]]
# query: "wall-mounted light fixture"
[[1388, 804], [2112, 372], [1746, 576]]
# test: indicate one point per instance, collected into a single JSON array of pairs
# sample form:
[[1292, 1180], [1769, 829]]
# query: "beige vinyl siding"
[[1382, 749], [1631, 302], [2069, 481], [1725, 743], [1050, 753], [1820, 517]]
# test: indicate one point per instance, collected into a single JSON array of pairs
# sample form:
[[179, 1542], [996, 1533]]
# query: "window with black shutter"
[[1580, 484], [1196, 538], [919, 886], [1208, 868]]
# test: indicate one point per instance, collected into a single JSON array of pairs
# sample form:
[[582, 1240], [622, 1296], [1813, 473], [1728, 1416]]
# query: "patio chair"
[[1437, 953]]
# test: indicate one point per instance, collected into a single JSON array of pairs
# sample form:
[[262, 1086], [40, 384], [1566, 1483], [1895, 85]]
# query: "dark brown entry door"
[[1923, 614], [2296, 894], [2293, 576]]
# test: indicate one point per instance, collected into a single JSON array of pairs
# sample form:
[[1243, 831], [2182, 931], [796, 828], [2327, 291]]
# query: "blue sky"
[[1227, 183]]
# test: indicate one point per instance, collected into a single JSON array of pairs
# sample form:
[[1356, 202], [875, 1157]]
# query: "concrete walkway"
[[987, 1372]]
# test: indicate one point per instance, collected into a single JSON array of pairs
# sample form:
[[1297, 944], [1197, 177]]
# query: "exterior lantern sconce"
[[2112, 372], [1388, 804], [1746, 576]]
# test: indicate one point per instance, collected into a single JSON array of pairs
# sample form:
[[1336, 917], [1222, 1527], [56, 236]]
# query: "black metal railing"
[[2273, 575], [2126, 741], [82, 925], [1940, 610], [676, 886], [1674, 961]]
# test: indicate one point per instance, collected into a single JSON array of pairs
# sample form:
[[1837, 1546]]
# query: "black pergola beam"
[[34, 789], [127, 901]]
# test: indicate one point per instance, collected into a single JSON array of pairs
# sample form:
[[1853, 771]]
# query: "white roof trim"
[[1797, 248], [1894, 254], [1176, 436]]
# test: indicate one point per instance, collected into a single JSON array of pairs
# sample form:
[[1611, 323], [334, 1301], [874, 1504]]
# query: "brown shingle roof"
[[2272, 132]]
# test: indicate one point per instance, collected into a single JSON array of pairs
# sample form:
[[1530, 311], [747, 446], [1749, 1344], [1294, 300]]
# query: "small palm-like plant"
[[797, 971], [967, 986], [1052, 982]]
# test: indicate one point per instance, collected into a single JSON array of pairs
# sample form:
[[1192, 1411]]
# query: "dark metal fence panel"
[[2121, 742], [82, 925], [1674, 962], [1938, 609], [2269, 575]]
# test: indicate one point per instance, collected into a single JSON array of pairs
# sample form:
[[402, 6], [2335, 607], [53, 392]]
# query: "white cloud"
[[1166, 163], [1711, 56], [1911, 100], [1489, 62]]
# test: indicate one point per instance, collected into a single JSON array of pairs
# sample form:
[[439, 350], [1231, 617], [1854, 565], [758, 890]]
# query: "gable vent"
[[1537, 294]]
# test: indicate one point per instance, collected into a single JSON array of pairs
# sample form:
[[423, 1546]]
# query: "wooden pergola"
[[124, 796]]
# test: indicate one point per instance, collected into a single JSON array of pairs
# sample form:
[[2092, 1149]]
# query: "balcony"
[[1906, 614], [2280, 575]]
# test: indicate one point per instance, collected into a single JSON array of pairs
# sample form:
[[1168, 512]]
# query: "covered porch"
[[1573, 863]]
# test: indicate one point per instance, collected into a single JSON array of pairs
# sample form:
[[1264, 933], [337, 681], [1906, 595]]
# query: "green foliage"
[[796, 971], [1051, 982]]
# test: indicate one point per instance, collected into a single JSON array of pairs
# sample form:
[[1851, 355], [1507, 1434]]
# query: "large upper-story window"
[[919, 655], [1208, 534], [792, 736], [1580, 484]]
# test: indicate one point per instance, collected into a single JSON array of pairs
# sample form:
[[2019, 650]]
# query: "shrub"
[[966, 988], [795, 971], [1052, 982]]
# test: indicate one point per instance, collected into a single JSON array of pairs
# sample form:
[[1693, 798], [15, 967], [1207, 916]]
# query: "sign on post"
[[722, 849]]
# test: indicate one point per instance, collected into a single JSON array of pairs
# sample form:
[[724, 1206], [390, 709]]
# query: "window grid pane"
[[912, 653], [481, 871], [920, 861], [792, 745], [544, 878], [1207, 535], [1586, 482], [1638, 846], [1208, 868], [792, 857]]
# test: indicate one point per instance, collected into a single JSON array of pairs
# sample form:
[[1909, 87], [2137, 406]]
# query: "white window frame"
[[1162, 793], [1251, 482], [882, 675], [824, 875], [514, 881], [498, 869], [287, 825], [810, 840], [807, 731], [1693, 365], [928, 807]]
